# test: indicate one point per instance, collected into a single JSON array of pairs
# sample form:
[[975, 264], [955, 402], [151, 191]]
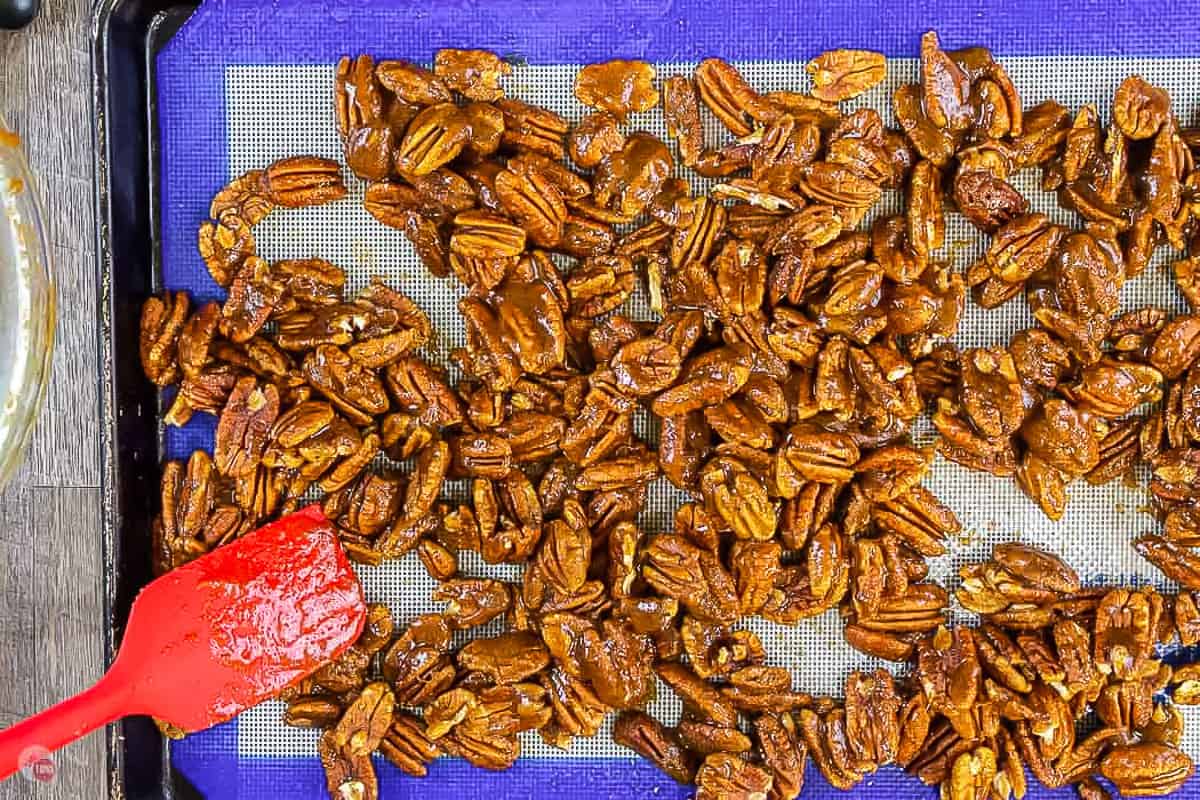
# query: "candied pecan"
[[1177, 346], [1140, 109], [948, 669], [872, 721], [434, 138], [303, 181], [1059, 434], [1146, 770], [407, 745], [728, 96], [1177, 563], [681, 114], [628, 179], [934, 142], [738, 498], [695, 577], [944, 86], [474, 73], [531, 129], [971, 776], [618, 87], [253, 295], [418, 664], [346, 775], [650, 739], [161, 325], [243, 197], [724, 776], [988, 201], [507, 658], [825, 739], [355, 391], [244, 426], [844, 74], [704, 738], [366, 721], [783, 753], [593, 138]]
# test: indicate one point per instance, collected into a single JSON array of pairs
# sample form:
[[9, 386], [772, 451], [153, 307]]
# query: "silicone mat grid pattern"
[[269, 106]]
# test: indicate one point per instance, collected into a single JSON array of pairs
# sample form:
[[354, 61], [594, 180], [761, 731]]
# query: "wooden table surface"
[[51, 606]]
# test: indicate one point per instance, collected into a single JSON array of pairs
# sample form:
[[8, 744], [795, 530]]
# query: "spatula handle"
[[62, 724]]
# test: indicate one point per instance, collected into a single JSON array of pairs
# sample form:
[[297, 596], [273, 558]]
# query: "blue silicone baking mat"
[[245, 82]]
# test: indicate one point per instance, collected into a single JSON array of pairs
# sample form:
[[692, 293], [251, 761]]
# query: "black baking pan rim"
[[125, 37]]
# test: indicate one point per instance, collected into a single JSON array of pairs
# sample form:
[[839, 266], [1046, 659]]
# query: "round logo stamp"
[[37, 765]]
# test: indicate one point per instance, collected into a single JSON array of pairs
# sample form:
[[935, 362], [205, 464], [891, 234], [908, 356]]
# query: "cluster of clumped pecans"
[[794, 347]]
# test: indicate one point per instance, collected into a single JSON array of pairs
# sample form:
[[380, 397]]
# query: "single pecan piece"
[[783, 753], [355, 391], [843, 74], [407, 745], [728, 96], [724, 776], [1140, 109], [312, 711], [648, 738], [618, 87], [932, 141], [507, 658], [418, 664], [705, 738], [626, 181], [681, 113], [971, 776], [872, 717], [472, 601], [365, 723], [244, 427], [161, 325], [535, 203], [949, 671], [826, 740], [739, 498], [345, 775], [988, 201], [593, 138], [474, 73], [1178, 563], [945, 86], [1146, 770], [303, 181], [243, 198], [1177, 347], [532, 129], [478, 234], [434, 137], [694, 577], [253, 296], [819, 455], [224, 244], [411, 83]]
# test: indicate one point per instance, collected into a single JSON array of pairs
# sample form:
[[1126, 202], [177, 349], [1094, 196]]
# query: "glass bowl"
[[27, 307]]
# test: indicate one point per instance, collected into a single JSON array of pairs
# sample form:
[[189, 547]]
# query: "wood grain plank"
[[49, 642], [51, 608], [46, 98], [67, 606]]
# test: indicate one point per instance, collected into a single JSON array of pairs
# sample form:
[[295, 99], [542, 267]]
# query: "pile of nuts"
[[794, 348]]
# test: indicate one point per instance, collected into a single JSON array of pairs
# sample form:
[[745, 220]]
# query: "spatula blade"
[[236, 626]]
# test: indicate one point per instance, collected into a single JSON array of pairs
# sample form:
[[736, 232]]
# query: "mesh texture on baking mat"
[[279, 109]]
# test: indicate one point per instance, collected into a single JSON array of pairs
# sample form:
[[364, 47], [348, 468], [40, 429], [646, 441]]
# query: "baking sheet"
[[269, 95]]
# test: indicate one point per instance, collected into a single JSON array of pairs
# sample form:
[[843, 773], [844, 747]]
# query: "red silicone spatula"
[[216, 636]]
